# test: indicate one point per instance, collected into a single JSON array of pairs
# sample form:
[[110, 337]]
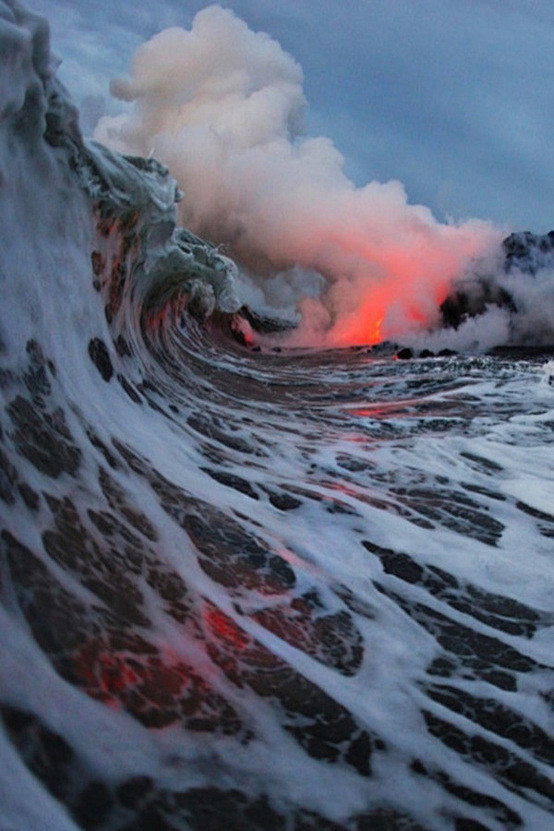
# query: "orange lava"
[[374, 332], [387, 284]]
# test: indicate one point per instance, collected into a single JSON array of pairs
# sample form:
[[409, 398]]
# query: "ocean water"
[[244, 586]]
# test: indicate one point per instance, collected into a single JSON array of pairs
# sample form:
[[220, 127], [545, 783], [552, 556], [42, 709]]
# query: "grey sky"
[[453, 97]]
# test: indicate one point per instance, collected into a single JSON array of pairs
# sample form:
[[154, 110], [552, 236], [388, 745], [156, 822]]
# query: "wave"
[[244, 585], [223, 107]]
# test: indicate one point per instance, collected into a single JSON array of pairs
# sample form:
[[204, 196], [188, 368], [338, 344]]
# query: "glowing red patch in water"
[[225, 628]]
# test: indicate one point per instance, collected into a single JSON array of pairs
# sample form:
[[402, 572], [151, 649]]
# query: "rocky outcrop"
[[528, 252], [523, 252]]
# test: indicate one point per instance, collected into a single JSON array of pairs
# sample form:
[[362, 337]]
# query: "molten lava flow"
[[374, 331], [392, 286], [227, 124]]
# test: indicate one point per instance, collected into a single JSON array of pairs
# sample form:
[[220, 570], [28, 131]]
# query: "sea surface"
[[242, 586]]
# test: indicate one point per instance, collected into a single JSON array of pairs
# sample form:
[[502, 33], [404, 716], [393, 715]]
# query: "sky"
[[454, 98]]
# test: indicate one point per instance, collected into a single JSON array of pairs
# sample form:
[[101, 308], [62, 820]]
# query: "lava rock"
[[264, 324], [524, 252], [405, 354], [471, 298], [528, 252]]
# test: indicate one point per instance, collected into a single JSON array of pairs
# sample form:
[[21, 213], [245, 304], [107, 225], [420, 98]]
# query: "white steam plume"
[[222, 106]]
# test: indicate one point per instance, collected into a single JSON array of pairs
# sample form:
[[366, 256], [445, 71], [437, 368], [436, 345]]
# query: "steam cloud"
[[223, 107]]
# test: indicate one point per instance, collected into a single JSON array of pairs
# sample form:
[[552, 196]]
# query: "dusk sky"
[[454, 98]]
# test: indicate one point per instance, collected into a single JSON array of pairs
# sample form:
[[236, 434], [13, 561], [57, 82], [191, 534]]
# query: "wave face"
[[240, 589]]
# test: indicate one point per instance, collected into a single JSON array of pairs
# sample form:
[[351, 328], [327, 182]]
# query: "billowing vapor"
[[223, 107]]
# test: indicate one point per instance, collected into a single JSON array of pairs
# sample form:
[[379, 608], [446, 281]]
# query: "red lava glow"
[[155, 320], [105, 677], [225, 124], [116, 676], [374, 333], [393, 285], [225, 629]]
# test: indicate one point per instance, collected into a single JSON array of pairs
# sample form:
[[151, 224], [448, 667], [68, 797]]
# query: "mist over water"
[[250, 589], [222, 106]]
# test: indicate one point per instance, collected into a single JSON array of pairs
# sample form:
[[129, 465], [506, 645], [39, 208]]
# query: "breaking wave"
[[244, 585]]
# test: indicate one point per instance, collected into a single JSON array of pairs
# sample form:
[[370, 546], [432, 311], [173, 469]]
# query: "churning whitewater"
[[246, 585]]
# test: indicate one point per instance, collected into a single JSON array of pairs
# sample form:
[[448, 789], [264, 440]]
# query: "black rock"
[[524, 252], [528, 252], [405, 354], [523, 352], [264, 324], [471, 297]]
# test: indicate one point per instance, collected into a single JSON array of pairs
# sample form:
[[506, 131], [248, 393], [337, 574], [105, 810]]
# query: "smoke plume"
[[223, 107]]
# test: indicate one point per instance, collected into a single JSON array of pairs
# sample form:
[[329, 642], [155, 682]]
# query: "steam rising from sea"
[[289, 590], [223, 107]]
